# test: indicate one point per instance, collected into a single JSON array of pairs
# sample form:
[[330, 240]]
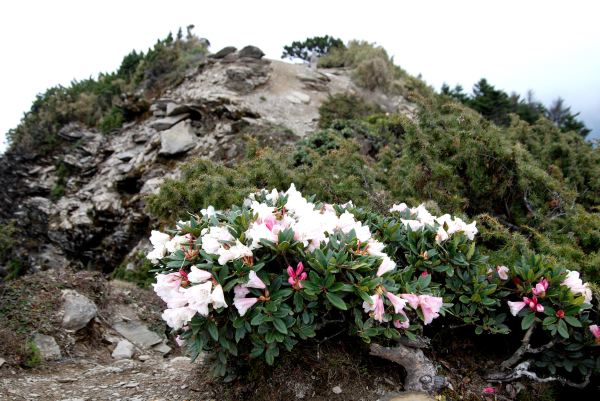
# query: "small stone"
[[48, 347], [298, 98], [131, 385], [66, 379], [144, 358], [124, 350], [337, 390], [137, 333], [2, 362], [78, 310], [163, 348]]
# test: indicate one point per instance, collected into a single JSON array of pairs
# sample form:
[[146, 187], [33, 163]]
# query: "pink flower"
[[533, 304], [540, 288], [424, 274], [402, 325], [386, 265], [376, 306], [430, 306], [489, 390], [413, 300], [254, 281], [179, 341], [397, 302], [560, 313], [502, 272], [241, 303], [296, 277], [515, 307], [595, 331], [166, 284]]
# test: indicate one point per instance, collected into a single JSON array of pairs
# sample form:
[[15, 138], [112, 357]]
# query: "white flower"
[[262, 210], [213, 238], [236, 251], [198, 276], [178, 242], [414, 225], [399, 208], [423, 215], [217, 298], [258, 231], [577, 286], [176, 318], [198, 297], [208, 212], [441, 235], [502, 272], [445, 219], [158, 240], [375, 248], [166, 284], [347, 223], [386, 265]]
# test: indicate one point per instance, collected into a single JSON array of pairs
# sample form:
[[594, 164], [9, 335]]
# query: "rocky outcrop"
[[83, 205], [49, 349]]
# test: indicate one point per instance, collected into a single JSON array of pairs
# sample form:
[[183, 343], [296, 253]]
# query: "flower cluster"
[[263, 275], [419, 217]]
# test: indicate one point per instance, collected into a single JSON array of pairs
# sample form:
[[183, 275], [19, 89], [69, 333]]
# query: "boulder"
[[123, 350], [78, 310], [176, 140], [251, 52], [48, 347], [152, 185], [223, 52], [167, 122], [138, 333]]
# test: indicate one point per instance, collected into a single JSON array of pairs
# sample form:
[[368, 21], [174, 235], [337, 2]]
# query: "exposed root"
[[421, 373], [522, 370]]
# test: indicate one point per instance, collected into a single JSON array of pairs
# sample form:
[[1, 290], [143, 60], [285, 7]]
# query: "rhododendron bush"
[[252, 281]]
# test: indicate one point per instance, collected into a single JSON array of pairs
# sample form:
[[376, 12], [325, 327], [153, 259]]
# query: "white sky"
[[552, 47]]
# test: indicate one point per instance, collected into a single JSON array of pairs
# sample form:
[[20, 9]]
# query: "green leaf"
[[258, 319], [464, 299], [280, 326], [272, 352], [562, 329], [527, 321], [336, 301], [240, 332], [212, 330], [572, 321]]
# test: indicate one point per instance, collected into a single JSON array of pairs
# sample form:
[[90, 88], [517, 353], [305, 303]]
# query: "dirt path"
[[86, 380]]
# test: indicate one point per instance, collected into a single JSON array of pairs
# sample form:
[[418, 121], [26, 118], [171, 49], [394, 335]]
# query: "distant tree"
[[561, 115], [492, 103], [456, 93], [319, 45], [528, 109]]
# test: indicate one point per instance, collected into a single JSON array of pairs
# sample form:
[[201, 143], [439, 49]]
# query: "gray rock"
[[298, 98], [137, 333], [152, 186], [251, 52], [125, 156], [337, 390], [2, 361], [175, 109], [78, 310], [163, 348], [144, 357], [223, 52], [178, 139], [48, 347], [123, 350], [167, 122]]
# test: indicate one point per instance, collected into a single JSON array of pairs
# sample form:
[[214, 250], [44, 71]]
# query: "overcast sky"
[[552, 47]]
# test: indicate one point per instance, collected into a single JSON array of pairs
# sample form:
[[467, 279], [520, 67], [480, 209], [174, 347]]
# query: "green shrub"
[[344, 106], [32, 355], [140, 273], [373, 74]]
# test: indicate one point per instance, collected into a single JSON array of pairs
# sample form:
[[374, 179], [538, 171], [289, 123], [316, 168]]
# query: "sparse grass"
[[32, 355]]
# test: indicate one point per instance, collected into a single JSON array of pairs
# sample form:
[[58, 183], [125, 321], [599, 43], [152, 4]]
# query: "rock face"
[[78, 310], [83, 205], [176, 140], [48, 347]]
